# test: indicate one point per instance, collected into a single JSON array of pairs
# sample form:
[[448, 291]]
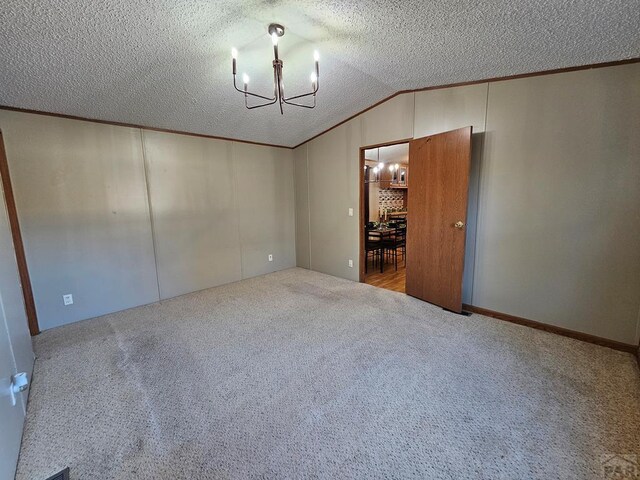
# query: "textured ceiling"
[[166, 63]]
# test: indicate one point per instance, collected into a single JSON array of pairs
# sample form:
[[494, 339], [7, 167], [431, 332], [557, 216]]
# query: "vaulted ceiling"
[[167, 64]]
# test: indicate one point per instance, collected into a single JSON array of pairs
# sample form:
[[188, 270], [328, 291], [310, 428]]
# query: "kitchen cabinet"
[[400, 177]]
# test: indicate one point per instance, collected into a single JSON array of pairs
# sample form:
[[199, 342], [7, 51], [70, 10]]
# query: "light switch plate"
[[351, 212], [67, 299], [350, 263], [270, 258]]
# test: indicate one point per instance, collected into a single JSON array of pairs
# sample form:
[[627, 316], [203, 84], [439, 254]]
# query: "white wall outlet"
[[351, 212], [350, 263], [270, 258], [68, 299]]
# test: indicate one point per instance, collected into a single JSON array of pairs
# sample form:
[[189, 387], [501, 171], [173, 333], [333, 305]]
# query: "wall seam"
[[296, 208], [147, 184], [306, 159], [413, 124], [638, 328], [236, 205]]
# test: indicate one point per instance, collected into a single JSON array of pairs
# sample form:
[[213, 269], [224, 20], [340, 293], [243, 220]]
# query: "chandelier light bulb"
[[397, 166], [245, 78], [391, 168], [375, 169], [381, 165], [234, 56], [316, 56], [314, 78], [274, 38]]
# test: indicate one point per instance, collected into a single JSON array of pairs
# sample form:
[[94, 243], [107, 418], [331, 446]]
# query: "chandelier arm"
[[246, 92], [300, 104], [317, 87], [271, 99], [251, 107], [301, 96]]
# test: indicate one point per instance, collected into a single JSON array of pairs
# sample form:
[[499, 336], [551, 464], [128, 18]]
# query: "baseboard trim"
[[585, 337]]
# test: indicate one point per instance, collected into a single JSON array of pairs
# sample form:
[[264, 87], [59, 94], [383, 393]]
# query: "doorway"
[[385, 189], [418, 224]]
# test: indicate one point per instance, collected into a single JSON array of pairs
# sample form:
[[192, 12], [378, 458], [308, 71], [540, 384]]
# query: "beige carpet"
[[302, 375]]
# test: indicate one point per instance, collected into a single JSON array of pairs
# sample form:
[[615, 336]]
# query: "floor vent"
[[63, 475]]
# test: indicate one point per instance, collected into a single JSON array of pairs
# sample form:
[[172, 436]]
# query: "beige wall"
[[121, 217], [266, 208], [195, 222], [559, 236], [392, 120], [553, 223], [333, 169], [83, 210]]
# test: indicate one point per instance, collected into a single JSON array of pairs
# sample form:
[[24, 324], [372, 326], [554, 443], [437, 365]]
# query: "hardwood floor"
[[390, 279]]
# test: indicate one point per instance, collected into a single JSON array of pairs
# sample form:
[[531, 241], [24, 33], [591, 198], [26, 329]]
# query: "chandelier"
[[276, 31]]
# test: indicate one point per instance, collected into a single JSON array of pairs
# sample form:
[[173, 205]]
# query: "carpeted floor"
[[302, 375]]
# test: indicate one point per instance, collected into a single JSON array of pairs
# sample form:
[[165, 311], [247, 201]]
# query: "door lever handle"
[[459, 224]]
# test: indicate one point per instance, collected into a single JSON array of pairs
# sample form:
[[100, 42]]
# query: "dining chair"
[[373, 247], [396, 244]]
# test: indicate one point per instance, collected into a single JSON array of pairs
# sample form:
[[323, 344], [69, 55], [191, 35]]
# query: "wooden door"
[[437, 206]]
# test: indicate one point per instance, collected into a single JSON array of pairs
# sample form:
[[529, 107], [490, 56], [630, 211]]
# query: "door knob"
[[458, 224]]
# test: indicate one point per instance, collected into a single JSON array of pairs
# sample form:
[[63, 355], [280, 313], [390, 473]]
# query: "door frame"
[[18, 246], [361, 199]]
